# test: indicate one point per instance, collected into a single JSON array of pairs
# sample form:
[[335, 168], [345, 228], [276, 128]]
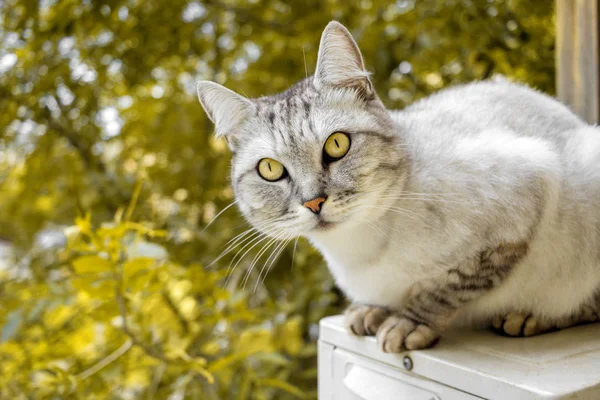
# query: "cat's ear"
[[225, 108], [340, 62]]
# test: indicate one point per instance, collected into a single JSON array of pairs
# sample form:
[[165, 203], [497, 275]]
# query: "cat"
[[476, 206]]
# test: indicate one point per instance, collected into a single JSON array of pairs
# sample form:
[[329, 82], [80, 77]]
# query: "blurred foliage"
[[98, 114], [114, 315]]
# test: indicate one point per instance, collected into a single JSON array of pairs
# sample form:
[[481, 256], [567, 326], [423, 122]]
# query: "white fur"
[[473, 167], [500, 138]]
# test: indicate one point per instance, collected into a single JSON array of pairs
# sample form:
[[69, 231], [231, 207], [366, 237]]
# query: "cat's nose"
[[314, 205]]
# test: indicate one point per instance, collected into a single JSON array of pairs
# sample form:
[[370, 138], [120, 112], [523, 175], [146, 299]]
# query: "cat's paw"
[[363, 320], [519, 324], [398, 333]]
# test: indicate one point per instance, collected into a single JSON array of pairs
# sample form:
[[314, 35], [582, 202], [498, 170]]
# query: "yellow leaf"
[[176, 347], [202, 371], [223, 363], [188, 308], [44, 203], [291, 335], [244, 390], [84, 224], [101, 289], [57, 317], [211, 348], [137, 265], [91, 264], [138, 378], [286, 387], [256, 340]]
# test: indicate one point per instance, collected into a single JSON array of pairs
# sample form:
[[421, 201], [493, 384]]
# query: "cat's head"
[[319, 157]]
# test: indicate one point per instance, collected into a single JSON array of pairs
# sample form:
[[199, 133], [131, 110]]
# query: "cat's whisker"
[[253, 232], [241, 238], [294, 251], [261, 237], [217, 216], [305, 68], [425, 199], [252, 245], [247, 235], [277, 234], [377, 228], [258, 257], [400, 210], [264, 265], [281, 248], [418, 194], [267, 234], [256, 225], [389, 227], [404, 210]]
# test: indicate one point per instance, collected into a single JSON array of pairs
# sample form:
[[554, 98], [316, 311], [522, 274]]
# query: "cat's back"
[[471, 109]]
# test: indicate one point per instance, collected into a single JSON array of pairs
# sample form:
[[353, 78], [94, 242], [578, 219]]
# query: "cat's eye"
[[271, 170], [336, 146]]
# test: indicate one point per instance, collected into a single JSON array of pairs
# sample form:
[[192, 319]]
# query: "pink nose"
[[315, 204]]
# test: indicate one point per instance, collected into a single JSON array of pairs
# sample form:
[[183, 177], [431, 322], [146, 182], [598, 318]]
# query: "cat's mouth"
[[323, 225]]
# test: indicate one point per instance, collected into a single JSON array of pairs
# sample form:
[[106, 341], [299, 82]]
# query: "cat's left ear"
[[225, 108], [340, 62]]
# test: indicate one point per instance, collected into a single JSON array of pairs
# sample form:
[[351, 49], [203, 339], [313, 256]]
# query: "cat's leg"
[[365, 320], [520, 324], [432, 304]]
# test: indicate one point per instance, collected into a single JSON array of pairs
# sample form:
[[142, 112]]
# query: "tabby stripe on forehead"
[[311, 126], [387, 139], [306, 106], [283, 137]]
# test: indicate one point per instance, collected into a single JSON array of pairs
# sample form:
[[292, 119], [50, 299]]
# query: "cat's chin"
[[324, 226]]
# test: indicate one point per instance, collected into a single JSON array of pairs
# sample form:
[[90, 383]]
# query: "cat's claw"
[[363, 320], [518, 324], [398, 333]]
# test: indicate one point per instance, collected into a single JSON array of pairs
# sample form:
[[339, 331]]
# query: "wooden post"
[[577, 56]]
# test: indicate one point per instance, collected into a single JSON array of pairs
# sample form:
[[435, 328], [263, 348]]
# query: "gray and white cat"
[[477, 205]]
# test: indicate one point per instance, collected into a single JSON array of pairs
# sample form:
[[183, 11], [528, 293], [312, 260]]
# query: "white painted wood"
[[481, 364], [325, 361], [577, 56], [359, 378]]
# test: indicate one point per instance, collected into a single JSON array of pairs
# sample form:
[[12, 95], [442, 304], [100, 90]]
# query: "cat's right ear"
[[340, 63], [225, 108]]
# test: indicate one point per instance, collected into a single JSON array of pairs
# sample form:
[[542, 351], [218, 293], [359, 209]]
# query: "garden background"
[[109, 176]]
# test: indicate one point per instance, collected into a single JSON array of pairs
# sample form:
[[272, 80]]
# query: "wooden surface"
[[577, 56]]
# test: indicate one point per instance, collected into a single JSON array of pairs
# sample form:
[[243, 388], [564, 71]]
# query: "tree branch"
[[125, 328], [106, 361]]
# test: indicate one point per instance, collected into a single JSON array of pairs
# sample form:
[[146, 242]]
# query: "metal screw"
[[407, 363]]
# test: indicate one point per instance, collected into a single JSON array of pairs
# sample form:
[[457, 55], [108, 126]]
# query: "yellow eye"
[[270, 169], [337, 145]]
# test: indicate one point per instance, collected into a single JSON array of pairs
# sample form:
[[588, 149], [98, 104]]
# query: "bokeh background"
[[109, 176]]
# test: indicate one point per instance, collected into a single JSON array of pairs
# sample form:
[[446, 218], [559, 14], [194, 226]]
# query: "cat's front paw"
[[398, 333], [519, 324], [363, 320]]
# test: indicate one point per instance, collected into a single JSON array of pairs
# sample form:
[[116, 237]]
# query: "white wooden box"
[[464, 365]]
